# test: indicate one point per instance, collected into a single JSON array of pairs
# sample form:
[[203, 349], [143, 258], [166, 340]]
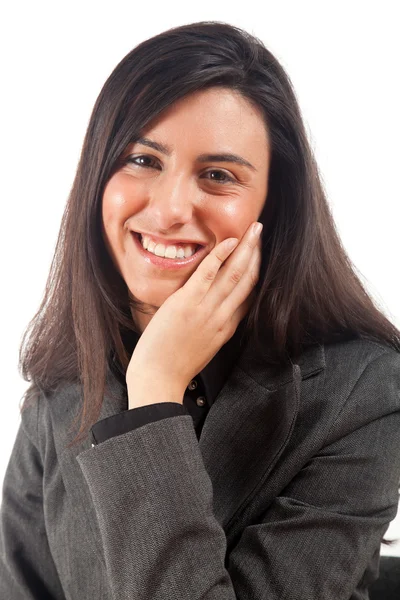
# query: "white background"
[[342, 57]]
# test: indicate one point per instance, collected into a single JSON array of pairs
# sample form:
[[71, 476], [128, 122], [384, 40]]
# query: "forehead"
[[210, 119]]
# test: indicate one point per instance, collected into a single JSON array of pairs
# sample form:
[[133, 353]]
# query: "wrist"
[[145, 391]]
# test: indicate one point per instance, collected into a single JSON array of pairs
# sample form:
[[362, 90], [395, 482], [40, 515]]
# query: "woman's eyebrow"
[[225, 157]]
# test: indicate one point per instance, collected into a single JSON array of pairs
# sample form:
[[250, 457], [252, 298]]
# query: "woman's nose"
[[172, 201]]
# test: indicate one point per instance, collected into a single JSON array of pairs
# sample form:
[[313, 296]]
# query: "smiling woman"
[[215, 399], [177, 197]]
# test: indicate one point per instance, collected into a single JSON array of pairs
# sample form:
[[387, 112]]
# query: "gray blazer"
[[285, 496]]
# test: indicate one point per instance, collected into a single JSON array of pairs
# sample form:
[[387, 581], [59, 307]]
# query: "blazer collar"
[[309, 362]]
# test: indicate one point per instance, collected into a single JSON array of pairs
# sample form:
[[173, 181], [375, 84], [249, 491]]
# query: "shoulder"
[[53, 418], [47, 416], [335, 386], [357, 389], [365, 364], [362, 378], [355, 355], [348, 402]]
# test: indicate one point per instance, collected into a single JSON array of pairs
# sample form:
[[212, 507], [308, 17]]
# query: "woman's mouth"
[[168, 263]]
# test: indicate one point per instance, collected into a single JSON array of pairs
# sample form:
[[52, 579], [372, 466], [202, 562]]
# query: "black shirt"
[[198, 398]]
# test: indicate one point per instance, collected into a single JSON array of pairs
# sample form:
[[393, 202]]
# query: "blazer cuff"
[[133, 418]]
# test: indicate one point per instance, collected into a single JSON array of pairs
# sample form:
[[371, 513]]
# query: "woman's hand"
[[193, 323]]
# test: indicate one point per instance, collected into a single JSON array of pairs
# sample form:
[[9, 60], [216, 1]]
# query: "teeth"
[[181, 251]]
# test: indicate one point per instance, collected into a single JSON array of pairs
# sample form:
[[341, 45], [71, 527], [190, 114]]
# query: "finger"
[[236, 268], [198, 285], [241, 312], [244, 289]]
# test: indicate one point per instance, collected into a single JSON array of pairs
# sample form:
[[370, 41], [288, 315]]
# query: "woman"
[[238, 406]]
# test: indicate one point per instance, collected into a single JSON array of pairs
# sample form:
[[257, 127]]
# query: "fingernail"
[[257, 228]]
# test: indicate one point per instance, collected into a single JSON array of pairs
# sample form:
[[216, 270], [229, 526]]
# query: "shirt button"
[[192, 385], [200, 401]]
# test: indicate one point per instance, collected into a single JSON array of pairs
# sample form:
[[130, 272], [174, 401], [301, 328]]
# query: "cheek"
[[115, 207], [112, 217], [223, 209], [120, 198], [231, 219], [113, 203], [109, 221]]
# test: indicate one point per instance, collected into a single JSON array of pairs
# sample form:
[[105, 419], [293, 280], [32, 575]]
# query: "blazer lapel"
[[248, 427]]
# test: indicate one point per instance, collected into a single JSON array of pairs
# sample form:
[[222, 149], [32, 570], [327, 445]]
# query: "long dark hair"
[[308, 291]]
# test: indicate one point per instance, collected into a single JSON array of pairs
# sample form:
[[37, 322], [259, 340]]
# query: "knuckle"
[[236, 275], [221, 330], [209, 275], [219, 256]]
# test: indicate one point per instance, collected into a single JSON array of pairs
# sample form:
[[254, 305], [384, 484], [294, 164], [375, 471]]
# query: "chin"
[[151, 296]]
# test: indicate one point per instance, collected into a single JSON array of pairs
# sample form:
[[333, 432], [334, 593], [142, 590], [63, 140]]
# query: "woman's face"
[[183, 195]]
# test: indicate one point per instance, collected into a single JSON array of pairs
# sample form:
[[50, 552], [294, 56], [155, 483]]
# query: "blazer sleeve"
[[27, 570], [154, 504]]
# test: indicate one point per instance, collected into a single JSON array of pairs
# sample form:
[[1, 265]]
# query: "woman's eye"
[[140, 161], [226, 179], [133, 159]]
